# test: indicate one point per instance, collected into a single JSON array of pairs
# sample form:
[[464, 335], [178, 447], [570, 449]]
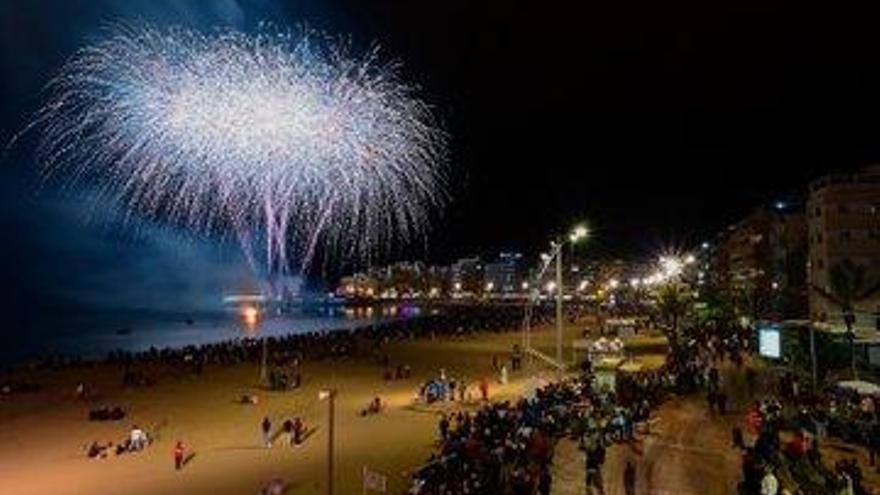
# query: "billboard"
[[770, 342]]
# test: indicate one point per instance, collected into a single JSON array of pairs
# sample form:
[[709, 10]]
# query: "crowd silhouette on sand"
[[332, 343]]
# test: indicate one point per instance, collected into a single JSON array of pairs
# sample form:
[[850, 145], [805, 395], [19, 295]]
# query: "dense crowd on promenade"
[[506, 448], [784, 432]]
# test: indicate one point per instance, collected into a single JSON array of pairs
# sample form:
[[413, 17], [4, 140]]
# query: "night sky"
[[657, 122]]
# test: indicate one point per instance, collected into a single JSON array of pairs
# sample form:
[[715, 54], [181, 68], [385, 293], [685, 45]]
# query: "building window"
[[843, 208], [818, 211], [820, 263], [845, 236]]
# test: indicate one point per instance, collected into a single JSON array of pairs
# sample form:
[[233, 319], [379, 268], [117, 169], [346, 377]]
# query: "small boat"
[[190, 321]]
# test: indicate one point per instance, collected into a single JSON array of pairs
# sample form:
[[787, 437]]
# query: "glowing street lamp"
[[579, 232]]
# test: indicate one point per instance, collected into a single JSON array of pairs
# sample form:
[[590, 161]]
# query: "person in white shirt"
[[138, 438]]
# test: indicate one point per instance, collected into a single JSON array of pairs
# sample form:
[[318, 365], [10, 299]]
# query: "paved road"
[[688, 453]]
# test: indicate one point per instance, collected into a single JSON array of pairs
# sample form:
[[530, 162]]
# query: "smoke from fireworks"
[[283, 138]]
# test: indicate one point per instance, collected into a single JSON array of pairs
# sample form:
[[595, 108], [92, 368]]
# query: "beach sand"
[[44, 435]]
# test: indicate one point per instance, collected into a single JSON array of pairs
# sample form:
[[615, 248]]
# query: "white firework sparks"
[[279, 136]]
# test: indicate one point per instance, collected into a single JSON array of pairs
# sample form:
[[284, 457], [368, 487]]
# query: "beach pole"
[[330, 395], [559, 292]]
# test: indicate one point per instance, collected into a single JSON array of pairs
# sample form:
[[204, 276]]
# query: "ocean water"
[[93, 334]]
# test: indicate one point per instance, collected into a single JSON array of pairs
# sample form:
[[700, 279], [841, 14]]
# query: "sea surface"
[[93, 334]]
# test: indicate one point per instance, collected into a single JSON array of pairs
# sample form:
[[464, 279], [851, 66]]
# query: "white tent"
[[862, 387]]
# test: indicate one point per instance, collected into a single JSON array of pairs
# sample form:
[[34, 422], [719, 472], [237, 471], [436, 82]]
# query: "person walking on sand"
[[267, 429], [298, 430], [179, 453], [288, 430], [504, 374], [484, 389]]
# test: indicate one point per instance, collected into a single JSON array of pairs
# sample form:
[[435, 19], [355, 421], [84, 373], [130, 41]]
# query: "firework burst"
[[283, 138]]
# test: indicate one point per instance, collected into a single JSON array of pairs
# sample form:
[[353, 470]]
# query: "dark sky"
[[658, 122]]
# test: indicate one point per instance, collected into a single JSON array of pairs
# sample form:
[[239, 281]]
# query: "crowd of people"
[[785, 434], [507, 448], [136, 441]]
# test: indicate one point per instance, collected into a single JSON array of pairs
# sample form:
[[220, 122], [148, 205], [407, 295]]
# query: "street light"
[[330, 396], [578, 233]]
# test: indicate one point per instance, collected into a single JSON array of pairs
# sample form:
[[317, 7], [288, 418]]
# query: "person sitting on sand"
[[138, 439], [123, 446], [374, 407], [105, 413], [98, 451]]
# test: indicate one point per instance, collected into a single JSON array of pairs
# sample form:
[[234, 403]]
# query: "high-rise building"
[[760, 262], [505, 275], [843, 213]]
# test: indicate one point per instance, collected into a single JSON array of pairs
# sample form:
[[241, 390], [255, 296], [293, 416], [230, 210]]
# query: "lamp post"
[[559, 290], [330, 395], [577, 234]]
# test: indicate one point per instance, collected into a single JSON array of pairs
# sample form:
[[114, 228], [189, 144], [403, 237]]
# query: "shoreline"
[[211, 328]]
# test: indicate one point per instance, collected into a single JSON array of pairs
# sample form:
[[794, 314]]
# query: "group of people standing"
[[294, 429]]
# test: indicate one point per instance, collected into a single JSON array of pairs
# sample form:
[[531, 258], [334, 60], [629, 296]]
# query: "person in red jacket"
[[179, 452]]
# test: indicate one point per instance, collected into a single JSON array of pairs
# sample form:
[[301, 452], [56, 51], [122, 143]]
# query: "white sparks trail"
[[281, 137]]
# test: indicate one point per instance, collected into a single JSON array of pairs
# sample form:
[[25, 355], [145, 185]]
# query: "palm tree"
[[673, 301], [848, 286]]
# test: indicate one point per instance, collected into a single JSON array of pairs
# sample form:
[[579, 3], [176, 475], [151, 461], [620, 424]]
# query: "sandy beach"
[[44, 435]]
